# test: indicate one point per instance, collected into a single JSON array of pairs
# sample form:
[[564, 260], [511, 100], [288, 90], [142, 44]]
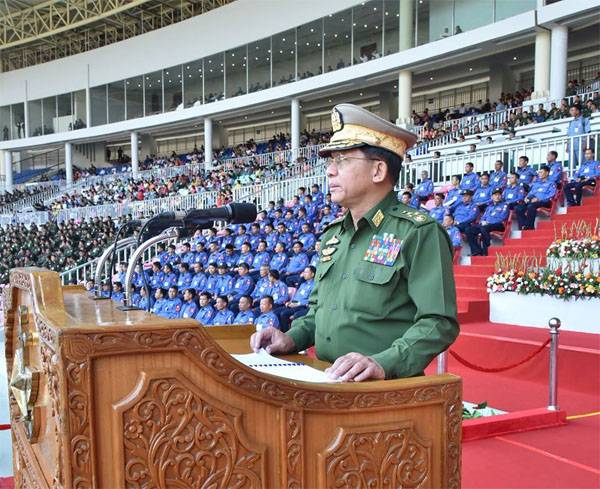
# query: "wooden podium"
[[101, 398]]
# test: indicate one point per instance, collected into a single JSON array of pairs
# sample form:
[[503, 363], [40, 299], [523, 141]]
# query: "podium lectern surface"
[[102, 398]]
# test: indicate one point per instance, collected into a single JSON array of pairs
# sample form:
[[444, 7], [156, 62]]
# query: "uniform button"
[[352, 246], [333, 307], [371, 276], [328, 338], [344, 276]]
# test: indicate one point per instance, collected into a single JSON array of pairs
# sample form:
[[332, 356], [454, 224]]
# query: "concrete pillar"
[[8, 171], [407, 22], [148, 145], [69, 162], [404, 98], [541, 83], [558, 61], [135, 162], [388, 108], [208, 143], [26, 111], [295, 127]]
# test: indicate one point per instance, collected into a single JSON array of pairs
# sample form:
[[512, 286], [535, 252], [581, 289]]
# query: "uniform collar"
[[390, 199]]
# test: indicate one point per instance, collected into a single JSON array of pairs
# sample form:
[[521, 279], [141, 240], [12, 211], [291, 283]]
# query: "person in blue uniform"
[[158, 276], [200, 256], [267, 318], [122, 272], [271, 209], [211, 237], [160, 302], [466, 212], [334, 207], [246, 255], [137, 278], [556, 168], [230, 257], [199, 279], [173, 303], [452, 230], [326, 218], [469, 180], [142, 300], [316, 193], [298, 305], [438, 211], [223, 315], [578, 127], [242, 285], [279, 259], [483, 194], [498, 177], [184, 280], [301, 220], [206, 312], [278, 290], [161, 254], [307, 238], [270, 237], [186, 254], [425, 187], [262, 286], [283, 236], [255, 236], [224, 281], [227, 238], [215, 255], [245, 314], [493, 219], [453, 197], [118, 294], [311, 208], [212, 279], [514, 193], [297, 263], [526, 174], [314, 260], [172, 256], [170, 277], [585, 176], [189, 308], [540, 195], [261, 257], [240, 238]]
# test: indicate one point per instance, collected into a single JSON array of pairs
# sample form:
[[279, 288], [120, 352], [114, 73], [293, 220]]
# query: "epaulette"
[[418, 218], [334, 222]]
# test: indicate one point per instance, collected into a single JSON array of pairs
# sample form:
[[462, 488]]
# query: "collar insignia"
[[377, 218], [328, 251], [333, 241]]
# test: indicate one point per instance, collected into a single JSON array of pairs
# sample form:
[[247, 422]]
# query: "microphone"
[[236, 213], [157, 224]]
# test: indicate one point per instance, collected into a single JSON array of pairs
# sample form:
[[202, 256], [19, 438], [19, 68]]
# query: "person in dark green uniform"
[[384, 301]]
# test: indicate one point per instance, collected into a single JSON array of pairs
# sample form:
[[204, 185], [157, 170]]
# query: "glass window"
[[116, 101], [35, 118], [508, 8], [259, 65], [368, 32], [79, 110], [153, 93], [214, 78], [173, 88], [310, 49], [337, 39], [134, 92], [18, 120], [284, 57], [64, 107], [434, 20], [235, 73], [49, 115], [391, 26], [98, 103], [192, 84], [470, 14], [5, 123]]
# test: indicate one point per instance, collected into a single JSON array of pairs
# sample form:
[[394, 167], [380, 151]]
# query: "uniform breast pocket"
[[372, 289]]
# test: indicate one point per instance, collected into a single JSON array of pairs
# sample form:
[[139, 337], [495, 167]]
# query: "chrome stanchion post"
[[554, 325], [442, 363]]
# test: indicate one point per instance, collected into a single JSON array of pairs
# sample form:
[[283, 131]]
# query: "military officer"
[[383, 304], [492, 220]]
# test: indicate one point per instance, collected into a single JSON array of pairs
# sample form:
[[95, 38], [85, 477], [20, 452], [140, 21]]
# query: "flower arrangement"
[[575, 249]]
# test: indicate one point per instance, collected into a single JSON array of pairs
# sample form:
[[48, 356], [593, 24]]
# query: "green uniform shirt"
[[402, 314]]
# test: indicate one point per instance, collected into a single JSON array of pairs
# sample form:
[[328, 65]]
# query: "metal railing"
[[569, 149]]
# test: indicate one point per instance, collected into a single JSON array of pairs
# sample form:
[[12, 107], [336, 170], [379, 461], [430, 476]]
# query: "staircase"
[[471, 294]]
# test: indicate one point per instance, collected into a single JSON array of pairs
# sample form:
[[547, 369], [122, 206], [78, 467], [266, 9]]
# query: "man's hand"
[[272, 340], [355, 367]]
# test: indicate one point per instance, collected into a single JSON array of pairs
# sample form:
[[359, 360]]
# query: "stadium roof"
[[34, 32]]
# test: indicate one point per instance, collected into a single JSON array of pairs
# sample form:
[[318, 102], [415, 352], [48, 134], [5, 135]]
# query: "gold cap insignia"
[[333, 241], [337, 123], [377, 218], [328, 251]]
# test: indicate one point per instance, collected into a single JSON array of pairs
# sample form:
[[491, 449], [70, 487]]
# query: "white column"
[[135, 163], [541, 83], [558, 61], [8, 171], [407, 19], [69, 162], [295, 127], [208, 143], [404, 98]]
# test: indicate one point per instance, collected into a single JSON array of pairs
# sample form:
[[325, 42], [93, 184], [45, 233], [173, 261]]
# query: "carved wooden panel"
[[292, 460], [388, 456], [176, 436]]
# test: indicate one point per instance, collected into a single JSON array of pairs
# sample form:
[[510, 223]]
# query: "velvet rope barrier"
[[470, 365]]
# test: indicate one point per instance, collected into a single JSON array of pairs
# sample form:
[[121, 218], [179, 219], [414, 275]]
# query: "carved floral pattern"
[[294, 446], [174, 438], [393, 459]]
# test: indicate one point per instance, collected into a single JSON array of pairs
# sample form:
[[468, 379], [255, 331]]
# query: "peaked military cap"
[[466, 192], [497, 190], [355, 127]]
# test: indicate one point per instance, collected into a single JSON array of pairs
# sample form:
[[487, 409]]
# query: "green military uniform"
[[385, 289]]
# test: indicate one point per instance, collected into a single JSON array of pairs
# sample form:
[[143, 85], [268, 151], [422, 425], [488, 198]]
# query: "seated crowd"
[[476, 205], [261, 273]]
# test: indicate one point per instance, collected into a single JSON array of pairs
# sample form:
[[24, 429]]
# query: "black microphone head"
[[242, 212]]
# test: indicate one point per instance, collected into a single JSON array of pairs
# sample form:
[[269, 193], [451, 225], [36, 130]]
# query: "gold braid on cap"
[[353, 135]]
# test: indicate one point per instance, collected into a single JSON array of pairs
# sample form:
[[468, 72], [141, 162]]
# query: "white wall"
[[227, 27]]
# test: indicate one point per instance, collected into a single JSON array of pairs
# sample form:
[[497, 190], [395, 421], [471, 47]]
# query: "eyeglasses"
[[341, 160]]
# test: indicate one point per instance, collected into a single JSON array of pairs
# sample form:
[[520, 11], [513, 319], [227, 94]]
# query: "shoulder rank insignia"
[[333, 241], [383, 249], [328, 251], [377, 218]]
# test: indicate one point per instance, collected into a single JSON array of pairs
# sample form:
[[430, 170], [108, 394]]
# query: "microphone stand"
[[112, 249]]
